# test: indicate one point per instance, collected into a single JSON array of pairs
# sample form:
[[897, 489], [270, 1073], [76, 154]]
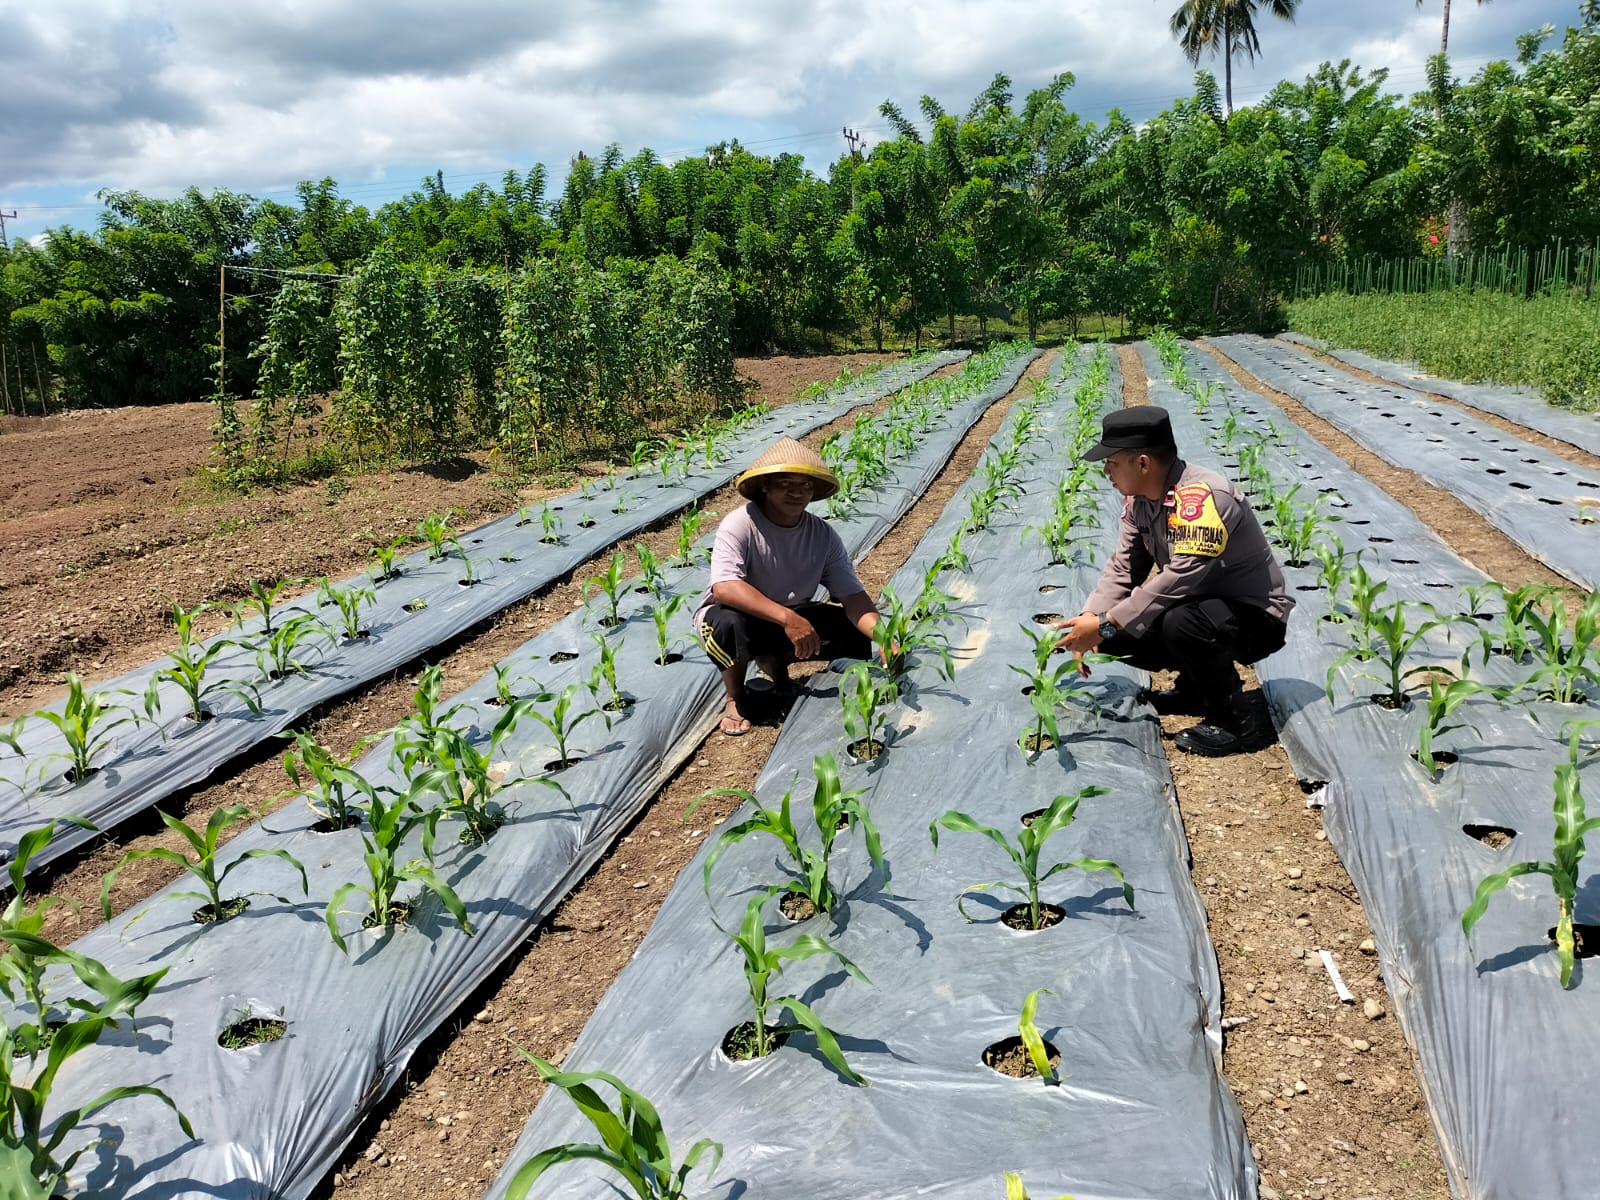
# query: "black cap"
[[1143, 428]]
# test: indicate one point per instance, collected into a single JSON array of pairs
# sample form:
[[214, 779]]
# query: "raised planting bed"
[[1418, 840], [1543, 502]]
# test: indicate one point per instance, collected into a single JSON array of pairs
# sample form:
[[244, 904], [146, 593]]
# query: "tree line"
[[1009, 208]]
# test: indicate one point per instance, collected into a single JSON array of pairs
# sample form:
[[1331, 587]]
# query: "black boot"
[[1232, 727], [1179, 700]]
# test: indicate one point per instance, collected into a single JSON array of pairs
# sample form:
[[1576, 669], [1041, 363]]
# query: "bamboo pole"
[[44, 399], [5, 386]]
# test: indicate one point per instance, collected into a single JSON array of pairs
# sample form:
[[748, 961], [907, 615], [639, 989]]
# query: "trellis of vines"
[[549, 363]]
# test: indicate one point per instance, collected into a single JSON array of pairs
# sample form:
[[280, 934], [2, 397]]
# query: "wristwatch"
[[1107, 629]]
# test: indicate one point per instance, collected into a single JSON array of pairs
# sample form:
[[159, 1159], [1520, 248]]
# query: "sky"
[[255, 95]]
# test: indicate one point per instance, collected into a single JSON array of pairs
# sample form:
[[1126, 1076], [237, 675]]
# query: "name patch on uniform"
[[1194, 526]]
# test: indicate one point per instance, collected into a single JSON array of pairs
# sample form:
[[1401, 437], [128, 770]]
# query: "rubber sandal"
[[741, 726]]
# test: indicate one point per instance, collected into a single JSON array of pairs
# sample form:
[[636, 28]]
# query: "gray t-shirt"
[[784, 565]]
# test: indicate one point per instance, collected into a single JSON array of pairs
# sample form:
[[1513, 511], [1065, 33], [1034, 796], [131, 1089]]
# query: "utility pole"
[[4, 217], [854, 139]]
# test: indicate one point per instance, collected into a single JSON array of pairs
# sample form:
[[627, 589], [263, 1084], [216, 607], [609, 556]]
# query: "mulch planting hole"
[[1016, 917], [396, 914], [1010, 1057], [1045, 618], [252, 1031], [206, 914], [327, 826], [864, 749], [561, 656], [669, 660], [561, 764], [796, 907], [739, 1043], [1496, 837]]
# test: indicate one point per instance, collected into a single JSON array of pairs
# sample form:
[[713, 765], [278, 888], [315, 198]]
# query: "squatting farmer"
[[768, 559], [1192, 587]]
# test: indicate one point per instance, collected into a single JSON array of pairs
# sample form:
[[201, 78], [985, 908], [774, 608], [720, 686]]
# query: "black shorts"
[[732, 636]]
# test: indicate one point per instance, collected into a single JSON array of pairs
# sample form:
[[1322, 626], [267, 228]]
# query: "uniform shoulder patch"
[[1195, 526]]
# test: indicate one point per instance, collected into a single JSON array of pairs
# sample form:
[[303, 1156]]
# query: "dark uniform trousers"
[[1201, 639]]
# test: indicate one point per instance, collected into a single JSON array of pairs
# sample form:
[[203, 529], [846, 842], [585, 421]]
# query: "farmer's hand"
[[802, 635]]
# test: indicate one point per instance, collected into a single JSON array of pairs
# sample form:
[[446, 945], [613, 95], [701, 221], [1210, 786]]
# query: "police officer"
[[1192, 587]]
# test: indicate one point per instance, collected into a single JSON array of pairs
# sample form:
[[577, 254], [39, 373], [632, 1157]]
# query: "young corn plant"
[[22, 974], [602, 683], [562, 721], [1515, 638], [688, 530], [1204, 394], [1032, 1039], [1393, 639], [910, 633], [506, 691], [1365, 606], [1443, 701], [191, 661], [639, 455], [865, 699], [387, 556], [661, 615], [634, 1143], [278, 657], [86, 722], [427, 713], [1334, 564], [31, 1140], [1573, 825], [1295, 527], [348, 601], [614, 584], [1025, 852], [1050, 688], [550, 526], [435, 530], [757, 1039], [333, 788], [655, 580], [259, 600], [203, 866], [388, 823], [1567, 656], [834, 810]]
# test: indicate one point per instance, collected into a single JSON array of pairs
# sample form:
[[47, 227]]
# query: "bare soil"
[[109, 526]]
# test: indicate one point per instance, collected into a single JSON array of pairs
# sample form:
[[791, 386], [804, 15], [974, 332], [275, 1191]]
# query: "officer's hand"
[[1080, 634], [803, 636]]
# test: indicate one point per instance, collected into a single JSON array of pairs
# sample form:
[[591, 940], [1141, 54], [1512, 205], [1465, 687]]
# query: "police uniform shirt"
[[1202, 539]]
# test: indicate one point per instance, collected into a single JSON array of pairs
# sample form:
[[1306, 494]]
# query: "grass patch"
[[1551, 343]]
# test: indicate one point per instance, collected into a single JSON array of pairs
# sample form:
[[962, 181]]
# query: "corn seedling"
[[388, 824], [86, 722], [506, 691], [465, 776], [1295, 527], [1025, 852], [1572, 827], [1393, 640], [1443, 700], [563, 720], [468, 577], [613, 584], [761, 965], [348, 601], [639, 455], [1032, 1039], [329, 783], [865, 699], [1203, 394], [387, 556], [905, 633], [426, 714], [661, 615], [1365, 592], [203, 866], [259, 599], [1567, 656], [278, 657], [603, 681], [550, 524], [655, 580], [1515, 637], [190, 663], [34, 1170], [22, 974], [1334, 563], [834, 811], [688, 530], [435, 530], [1050, 688], [634, 1143]]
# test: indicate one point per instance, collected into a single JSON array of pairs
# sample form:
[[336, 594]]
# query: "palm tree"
[[1444, 36], [1226, 25]]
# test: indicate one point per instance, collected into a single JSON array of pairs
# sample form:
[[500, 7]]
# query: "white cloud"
[[158, 96]]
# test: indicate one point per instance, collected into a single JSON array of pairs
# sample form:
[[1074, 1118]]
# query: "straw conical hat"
[[788, 457]]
